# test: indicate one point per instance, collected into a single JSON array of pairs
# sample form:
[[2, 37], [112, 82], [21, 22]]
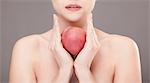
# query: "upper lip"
[[73, 6]]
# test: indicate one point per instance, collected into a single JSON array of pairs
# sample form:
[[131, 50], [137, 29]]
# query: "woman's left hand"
[[84, 60]]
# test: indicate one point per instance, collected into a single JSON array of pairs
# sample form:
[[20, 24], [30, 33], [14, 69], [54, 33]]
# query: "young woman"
[[105, 58]]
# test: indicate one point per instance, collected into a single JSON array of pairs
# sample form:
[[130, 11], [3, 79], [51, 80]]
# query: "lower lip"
[[73, 9]]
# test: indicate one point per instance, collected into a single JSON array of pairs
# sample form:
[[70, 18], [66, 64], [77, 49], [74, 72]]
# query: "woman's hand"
[[63, 58], [84, 60]]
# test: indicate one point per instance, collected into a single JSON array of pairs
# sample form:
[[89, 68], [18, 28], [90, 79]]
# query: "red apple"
[[73, 40]]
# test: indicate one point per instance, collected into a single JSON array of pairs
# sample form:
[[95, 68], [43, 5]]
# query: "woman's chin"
[[73, 18]]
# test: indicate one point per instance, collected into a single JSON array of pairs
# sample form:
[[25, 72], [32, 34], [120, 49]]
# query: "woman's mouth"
[[73, 7]]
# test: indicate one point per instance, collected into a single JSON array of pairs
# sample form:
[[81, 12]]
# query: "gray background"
[[0, 40], [125, 17]]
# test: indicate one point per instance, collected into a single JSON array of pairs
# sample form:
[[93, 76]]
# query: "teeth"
[[73, 7]]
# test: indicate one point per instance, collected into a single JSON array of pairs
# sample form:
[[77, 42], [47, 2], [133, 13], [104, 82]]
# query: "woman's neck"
[[63, 23]]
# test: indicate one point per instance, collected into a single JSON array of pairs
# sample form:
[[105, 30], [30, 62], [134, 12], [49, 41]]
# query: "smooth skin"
[[105, 58]]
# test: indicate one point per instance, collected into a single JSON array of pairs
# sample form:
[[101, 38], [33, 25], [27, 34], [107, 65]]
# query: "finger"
[[92, 34], [89, 27], [89, 23], [94, 37], [86, 57], [61, 55], [56, 27]]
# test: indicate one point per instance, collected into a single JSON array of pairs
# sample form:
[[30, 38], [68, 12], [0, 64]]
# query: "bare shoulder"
[[120, 42], [22, 59], [116, 41], [26, 48], [125, 55], [27, 42], [118, 45], [105, 37], [30, 46]]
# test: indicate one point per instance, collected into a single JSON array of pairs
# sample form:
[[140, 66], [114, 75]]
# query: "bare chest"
[[46, 67]]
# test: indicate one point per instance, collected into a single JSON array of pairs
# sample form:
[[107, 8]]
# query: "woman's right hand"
[[63, 58]]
